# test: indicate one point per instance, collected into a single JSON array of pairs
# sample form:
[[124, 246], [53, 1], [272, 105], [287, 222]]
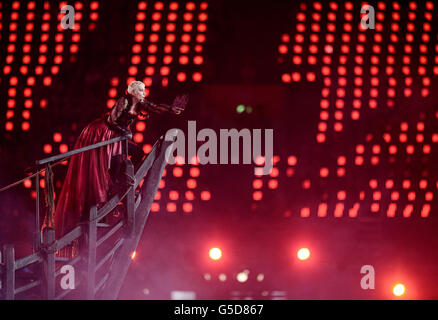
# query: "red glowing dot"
[[257, 195], [342, 195], [273, 184], [194, 172], [311, 76], [305, 212], [63, 148], [189, 195], [188, 16], [187, 207], [286, 78], [296, 76], [47, 148], [181, 76], [425, 210], [205, 195], [155, 207], [183, 60], [197, 76], [191, 183], [407, 212], [57, 137], [25, 126], [174, 6], [322, 210], [320, 137], [171, 207], [358, 160], [164, 71], [257, 184], [306, 184], [173, 195], [324, 172], [27, 183]]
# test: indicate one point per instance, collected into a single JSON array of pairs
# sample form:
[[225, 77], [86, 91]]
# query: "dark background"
[[242, 65]]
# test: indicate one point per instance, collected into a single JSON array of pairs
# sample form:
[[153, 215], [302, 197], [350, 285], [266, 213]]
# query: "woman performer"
[[91, 174]]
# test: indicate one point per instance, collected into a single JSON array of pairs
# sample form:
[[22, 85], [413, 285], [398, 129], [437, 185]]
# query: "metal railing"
[[94, 281]]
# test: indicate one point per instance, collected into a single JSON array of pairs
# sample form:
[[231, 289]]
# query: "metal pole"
[[126, 148], [37, 235]]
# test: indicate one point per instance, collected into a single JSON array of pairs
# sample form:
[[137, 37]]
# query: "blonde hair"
[[134, 85]]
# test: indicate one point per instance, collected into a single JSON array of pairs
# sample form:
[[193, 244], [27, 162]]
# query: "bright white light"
[[222, 277], [242, 276], [215, 253], [399, 289], [303, 254]]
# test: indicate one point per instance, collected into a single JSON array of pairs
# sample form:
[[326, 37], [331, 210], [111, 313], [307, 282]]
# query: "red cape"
[[88, 180]]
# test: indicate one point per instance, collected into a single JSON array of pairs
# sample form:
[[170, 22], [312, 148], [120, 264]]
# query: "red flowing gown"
[[88, 179]]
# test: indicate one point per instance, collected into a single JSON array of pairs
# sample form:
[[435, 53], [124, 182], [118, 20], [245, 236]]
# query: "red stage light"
[[139, 37], [73, 49], [177, 172], [155, 16], [425, 211], [138, 137], [257, 195], [197, 76], [187, 207], [47, 148], [204, 6], [54, 69], [140, 126], [191, 183], [305, 212], [155, 207], [189, 195], [194, 172], [174, 6], [205, 195], [63, 148], [322, 210], [159, 6], [392, 208], [95, 5], [9, 126], [187, 27], [324, 172], [155, 27], [25, 126], [57, 137], [173, 195]]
